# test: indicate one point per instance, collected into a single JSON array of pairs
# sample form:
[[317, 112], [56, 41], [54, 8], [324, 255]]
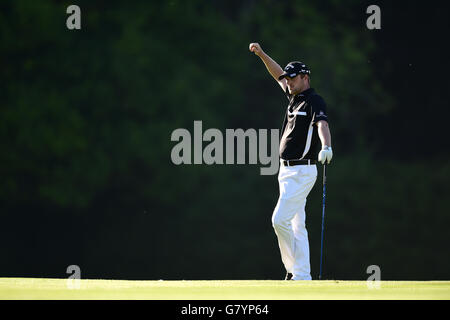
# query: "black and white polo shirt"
[[299, 137]]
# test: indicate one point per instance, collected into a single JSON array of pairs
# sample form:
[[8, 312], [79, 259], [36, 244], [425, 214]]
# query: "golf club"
[[323, 216]]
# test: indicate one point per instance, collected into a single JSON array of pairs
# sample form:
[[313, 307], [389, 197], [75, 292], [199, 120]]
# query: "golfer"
[[305, 123]]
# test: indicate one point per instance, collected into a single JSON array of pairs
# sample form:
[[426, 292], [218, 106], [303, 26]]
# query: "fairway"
[[50, 289]]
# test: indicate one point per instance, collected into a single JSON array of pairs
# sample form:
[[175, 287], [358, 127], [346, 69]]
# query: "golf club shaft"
[[323, 216]]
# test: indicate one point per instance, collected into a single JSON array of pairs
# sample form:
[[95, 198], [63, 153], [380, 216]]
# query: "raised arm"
[[274, 68]]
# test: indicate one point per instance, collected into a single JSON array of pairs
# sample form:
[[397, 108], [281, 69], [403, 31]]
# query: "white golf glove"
[[325, 154]]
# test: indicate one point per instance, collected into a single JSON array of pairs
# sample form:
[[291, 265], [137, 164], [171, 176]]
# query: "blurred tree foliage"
[[86, 119]]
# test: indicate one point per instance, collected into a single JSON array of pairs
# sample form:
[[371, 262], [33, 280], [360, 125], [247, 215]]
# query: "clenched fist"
[[255, 48]]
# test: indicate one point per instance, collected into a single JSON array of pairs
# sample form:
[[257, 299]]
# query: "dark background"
[[86, 118]]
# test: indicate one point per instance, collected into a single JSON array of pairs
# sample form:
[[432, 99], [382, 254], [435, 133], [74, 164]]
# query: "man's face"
[[297, 84]]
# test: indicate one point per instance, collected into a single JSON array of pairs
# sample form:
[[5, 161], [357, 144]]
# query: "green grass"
[[49, 289]]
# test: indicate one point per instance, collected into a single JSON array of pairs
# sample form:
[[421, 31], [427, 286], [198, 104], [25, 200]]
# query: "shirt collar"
[[306, 92]]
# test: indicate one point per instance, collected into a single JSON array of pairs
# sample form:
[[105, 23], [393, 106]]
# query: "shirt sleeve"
[[319, 109]]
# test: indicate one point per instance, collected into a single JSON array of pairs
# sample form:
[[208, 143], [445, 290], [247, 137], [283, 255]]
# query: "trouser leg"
[[283, 214], [288, 220], [301, 267]]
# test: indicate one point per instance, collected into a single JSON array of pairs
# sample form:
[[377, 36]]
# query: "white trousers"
[[288, 218]]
